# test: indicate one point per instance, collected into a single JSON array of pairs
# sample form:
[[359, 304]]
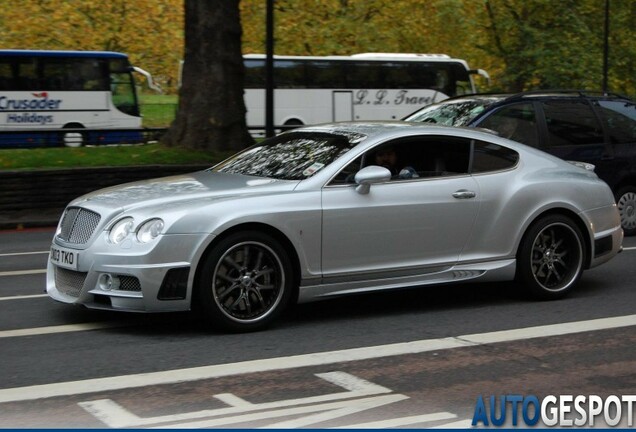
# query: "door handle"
[[464, 194]]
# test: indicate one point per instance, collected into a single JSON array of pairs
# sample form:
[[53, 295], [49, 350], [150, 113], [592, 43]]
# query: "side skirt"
[[502, 270]]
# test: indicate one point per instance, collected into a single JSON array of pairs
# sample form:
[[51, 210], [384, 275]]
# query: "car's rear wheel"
[[626, 203], [246, 282], [550, 258]]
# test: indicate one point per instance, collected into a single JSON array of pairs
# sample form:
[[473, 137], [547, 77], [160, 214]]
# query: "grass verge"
[[122, 155]]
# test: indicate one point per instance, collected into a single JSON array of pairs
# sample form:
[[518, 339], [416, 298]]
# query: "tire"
[[293, 122], [73, 139], [246, 282], [626, 203], [550, 258]]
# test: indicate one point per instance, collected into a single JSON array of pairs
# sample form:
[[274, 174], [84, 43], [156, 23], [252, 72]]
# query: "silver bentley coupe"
[[335, 209]]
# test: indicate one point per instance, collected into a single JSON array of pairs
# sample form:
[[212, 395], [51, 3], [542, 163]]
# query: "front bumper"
[[155, 277]]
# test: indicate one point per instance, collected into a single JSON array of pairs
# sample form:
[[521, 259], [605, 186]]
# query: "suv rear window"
[[571, 122], [620, 120]]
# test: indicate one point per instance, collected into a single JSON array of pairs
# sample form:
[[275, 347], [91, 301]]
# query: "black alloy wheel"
[[551, 256], [246, 282]]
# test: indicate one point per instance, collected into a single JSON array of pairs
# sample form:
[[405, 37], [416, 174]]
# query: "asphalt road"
[[414, 358]]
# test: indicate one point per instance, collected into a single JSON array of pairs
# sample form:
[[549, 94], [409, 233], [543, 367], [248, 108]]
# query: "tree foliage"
[[524, 44], [150, 31]]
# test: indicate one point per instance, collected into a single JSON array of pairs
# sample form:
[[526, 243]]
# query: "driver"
[[387, 157]]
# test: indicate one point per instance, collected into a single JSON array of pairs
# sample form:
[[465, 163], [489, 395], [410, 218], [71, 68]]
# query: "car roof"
[[388, 129], [537, 94]]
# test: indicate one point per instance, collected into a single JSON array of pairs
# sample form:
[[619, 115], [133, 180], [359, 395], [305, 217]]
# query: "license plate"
[[64, 257]]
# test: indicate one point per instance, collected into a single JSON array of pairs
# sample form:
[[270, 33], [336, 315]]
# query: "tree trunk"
[[211, 112]]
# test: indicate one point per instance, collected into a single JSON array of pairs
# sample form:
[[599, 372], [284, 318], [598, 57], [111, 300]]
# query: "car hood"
[[179, 190]]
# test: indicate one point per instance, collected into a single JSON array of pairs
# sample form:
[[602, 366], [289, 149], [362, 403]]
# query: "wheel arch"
[[576, 219], [624, 182], [263, 228]]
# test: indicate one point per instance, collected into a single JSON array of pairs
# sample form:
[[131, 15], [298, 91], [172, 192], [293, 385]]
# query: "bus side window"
[[6, 76]]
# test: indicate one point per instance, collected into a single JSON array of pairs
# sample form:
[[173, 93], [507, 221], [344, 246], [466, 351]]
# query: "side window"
[[619, 118], [416, 157], [27, 76], [254, 73], [6, 75], [489, 157], [290, 74], [364, 75], [516, 122], [571, 122], [325, 74], [348, 173]]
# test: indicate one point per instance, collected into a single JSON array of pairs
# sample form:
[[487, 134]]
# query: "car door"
[[414, 225]]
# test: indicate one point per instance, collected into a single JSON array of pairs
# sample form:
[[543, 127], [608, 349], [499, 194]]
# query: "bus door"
[[342, 105]]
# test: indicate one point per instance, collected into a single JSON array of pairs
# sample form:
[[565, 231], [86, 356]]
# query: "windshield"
[[290, 156], [458, 112]]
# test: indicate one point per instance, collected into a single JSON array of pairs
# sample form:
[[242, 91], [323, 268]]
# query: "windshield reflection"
[[290, 156], [455, 113]]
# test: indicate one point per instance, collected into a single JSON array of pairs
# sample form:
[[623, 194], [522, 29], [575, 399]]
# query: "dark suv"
[[596, 128]]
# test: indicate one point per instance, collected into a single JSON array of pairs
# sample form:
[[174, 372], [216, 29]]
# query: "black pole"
[[269, 70], [606, 46]]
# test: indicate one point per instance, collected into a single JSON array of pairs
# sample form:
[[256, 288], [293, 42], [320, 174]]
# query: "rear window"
[[571, 122], [492, 157], [620, 120]]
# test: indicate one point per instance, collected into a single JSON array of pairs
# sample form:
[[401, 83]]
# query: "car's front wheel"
[[246, 282], [626, 203], [551, 256]]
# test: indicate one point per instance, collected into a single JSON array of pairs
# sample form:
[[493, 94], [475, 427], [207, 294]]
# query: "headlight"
[[149, 230], [120, 230]]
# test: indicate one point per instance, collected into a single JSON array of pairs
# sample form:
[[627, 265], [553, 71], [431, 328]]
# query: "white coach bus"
[[372, 86], [41, 91]]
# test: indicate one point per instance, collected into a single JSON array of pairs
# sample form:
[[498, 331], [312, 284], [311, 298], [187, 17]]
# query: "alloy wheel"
[[248, 282]]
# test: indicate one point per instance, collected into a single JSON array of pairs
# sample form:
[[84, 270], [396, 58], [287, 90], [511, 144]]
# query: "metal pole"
[[269, 70], [606, 46]]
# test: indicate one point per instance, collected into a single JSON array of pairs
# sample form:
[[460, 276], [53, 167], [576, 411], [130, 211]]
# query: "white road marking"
[[23, 253], [232, 400], [365, 395], [22, 272], [59, 329], [629, 248], [461, 424], [302, 360], [339, 407], [22, 297], [353, 383]]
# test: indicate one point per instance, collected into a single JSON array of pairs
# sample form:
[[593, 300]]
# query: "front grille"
[[69, 282], [78, 225]]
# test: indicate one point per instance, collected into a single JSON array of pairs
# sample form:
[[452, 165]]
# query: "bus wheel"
[[292, 123], [73, 139]]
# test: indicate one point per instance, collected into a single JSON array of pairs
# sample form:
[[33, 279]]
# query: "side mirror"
[[371, 175]]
